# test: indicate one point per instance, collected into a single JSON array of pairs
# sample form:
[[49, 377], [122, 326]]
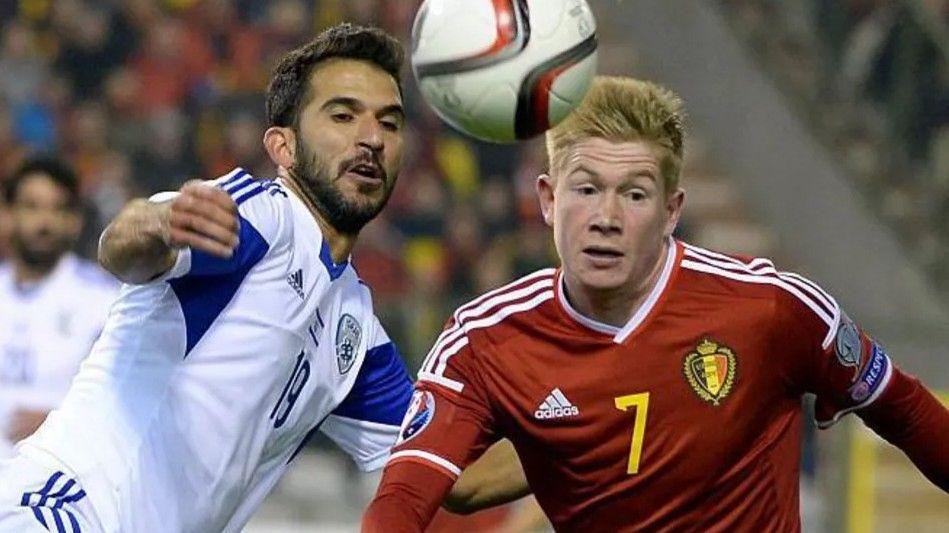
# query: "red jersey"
[[687, 418]]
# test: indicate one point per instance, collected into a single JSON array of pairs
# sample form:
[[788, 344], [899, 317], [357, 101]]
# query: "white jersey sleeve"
[[261, 226], [205, 284], [366, 424]]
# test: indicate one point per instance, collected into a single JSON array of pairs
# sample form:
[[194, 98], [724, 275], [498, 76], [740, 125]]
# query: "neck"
[[25, 273], [615, 306], [340, 244]]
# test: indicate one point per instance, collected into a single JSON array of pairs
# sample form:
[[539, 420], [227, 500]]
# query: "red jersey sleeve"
[[448, 425], [449, 422], [831, 356]]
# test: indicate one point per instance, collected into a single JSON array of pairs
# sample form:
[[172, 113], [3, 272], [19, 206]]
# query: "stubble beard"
[[313, 176], [40, 261]]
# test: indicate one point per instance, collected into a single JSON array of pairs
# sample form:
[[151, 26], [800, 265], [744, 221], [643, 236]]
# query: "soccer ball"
[[503, 70]]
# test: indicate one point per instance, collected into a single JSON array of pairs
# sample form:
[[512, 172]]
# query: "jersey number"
[[291, 391], [641, 402]]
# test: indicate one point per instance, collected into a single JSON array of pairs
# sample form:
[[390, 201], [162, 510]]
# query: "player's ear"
[[545, 194], [280, 144], [674, 204]]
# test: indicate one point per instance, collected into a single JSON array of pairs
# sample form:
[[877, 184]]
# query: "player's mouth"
[[368, 174], [603, 256]]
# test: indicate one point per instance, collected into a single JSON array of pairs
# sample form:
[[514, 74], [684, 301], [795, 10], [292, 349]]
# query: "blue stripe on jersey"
[[382, 390], [65, 489], [39, 516], [249, 194], [60, 526], [44, 492], [233, 186], [75, 524], [274, 188], [332, 268], [212, 282], [237, 175], [56, 510], [251, 248]]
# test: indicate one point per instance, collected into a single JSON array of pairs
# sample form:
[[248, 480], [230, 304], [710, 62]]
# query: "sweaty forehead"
[[352, 78], [603, 154]]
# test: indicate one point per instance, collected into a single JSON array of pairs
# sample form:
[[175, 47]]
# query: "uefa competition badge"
[[419, 415]]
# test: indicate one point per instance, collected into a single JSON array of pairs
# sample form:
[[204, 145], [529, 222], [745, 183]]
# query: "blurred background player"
[[53, 304]]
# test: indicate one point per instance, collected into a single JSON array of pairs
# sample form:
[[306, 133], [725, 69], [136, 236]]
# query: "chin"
[[602, 280]]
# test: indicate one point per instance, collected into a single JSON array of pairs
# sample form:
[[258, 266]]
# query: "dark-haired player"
[[243, 327]]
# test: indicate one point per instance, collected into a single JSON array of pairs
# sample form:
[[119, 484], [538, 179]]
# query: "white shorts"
[[34, 498]]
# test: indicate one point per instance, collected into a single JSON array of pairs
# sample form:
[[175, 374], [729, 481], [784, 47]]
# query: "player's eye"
[[391, 125], [585, 190], [342, 117], [636, 195]]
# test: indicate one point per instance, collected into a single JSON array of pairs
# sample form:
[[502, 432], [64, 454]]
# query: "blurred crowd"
[[141, 95], [873, 77]]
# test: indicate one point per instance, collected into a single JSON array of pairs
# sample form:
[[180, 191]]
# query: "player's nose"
[[369, 134], [606, 218]]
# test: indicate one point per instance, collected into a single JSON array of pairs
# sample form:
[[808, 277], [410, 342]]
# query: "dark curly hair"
[[288, 90], [57, 170]]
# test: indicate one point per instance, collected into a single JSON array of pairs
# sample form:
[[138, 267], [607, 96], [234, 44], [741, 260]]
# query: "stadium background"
[[820, 137]]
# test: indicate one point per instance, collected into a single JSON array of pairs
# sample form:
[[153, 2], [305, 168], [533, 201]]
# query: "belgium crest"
[[710, 370]]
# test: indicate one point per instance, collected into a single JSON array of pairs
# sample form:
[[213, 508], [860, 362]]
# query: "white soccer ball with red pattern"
[[504, 70]]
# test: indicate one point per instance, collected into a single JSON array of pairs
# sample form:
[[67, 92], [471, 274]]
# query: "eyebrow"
[[356, 104], [641, 173], [645, 174]]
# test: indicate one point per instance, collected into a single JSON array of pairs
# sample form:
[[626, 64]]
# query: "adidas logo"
[[555, 406], [295, 279]]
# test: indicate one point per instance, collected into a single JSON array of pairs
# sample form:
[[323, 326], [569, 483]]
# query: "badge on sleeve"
[[419, 415], [348, 333], [874, 377], [847, 345]]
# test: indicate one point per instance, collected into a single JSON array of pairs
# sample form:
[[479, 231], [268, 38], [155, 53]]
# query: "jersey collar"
[[621, 334], [335, 270]]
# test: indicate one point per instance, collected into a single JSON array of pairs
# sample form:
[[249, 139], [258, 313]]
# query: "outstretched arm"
[[494, 479], [442, 433], [911, 418], [142, 242]]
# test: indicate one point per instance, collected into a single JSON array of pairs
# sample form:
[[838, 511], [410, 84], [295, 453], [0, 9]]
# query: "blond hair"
[[625, 109]]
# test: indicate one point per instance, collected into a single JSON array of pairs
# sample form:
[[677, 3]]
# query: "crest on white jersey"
[[348, 332]]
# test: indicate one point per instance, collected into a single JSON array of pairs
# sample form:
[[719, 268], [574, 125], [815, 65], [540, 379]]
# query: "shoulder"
[[263, 203], [792, 294], [492, 308], [479, 324]]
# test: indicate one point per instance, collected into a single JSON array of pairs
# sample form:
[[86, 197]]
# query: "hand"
[[203, 218], [23, 422]]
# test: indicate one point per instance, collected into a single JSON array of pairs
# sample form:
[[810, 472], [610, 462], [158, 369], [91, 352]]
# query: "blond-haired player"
[[646, 384]]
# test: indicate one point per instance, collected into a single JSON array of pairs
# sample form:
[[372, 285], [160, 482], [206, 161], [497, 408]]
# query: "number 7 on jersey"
[[641, 402]]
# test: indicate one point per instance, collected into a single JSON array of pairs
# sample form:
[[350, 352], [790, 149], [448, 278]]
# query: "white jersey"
[[206, 383], [46, 330]]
